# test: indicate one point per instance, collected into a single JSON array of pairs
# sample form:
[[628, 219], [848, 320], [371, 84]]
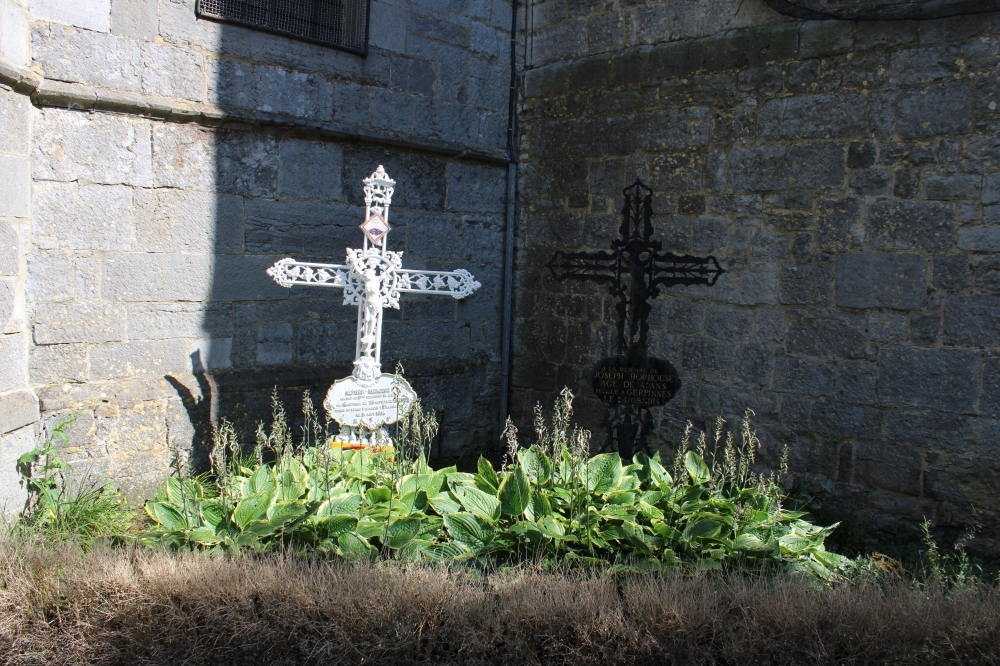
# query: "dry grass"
[[141, 607]]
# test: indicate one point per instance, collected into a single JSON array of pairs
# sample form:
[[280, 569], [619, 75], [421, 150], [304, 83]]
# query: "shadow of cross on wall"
[[634, 269]]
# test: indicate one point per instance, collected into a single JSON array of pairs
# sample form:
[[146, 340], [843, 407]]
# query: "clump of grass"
[[62, 507], [127, 606]]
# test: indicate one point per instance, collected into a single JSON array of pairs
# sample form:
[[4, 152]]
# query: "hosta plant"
[[548, 501]]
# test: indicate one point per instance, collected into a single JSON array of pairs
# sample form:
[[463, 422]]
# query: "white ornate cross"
[[373, 277]]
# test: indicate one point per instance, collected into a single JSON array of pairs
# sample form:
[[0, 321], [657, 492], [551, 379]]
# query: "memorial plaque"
[[648, 384], [369, 404]]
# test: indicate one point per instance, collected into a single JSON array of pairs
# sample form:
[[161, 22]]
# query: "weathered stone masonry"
[[162, 163], [847, 177]]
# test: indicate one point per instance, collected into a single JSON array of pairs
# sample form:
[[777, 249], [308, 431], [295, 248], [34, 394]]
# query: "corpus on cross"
[[373, 277]]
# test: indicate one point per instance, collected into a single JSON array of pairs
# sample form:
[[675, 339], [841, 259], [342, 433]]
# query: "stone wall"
[[18, 403], [846, 176], [172, 160]]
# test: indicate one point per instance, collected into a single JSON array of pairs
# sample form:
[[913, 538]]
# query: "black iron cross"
[[635, 269]]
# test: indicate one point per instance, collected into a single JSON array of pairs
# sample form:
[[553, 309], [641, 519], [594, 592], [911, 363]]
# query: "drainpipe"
[[508, 257]]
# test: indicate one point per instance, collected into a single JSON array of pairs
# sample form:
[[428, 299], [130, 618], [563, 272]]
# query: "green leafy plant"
[[548, 501], [61, 507]]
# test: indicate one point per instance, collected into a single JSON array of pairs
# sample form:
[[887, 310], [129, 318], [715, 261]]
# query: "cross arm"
[[287, 272], [457, 284], [595, 266], [671, 269]]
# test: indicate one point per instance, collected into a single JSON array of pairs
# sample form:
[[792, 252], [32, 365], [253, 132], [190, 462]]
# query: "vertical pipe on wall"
[[508, 257]]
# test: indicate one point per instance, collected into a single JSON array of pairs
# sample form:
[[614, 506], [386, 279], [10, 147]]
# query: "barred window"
[[342, 24]]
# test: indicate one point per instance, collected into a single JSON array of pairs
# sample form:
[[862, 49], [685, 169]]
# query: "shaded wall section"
[[846, 177], [175, 159]]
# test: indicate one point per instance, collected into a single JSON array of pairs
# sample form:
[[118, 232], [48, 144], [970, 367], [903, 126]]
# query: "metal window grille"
[[342, 24]]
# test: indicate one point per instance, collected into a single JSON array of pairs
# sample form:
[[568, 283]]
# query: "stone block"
[[482, 238], [952, 272], [243, 278], [56, 324], [838, 224], [979, 238], [15, 122], [906, 184], [181, 221], [822, 39], [15, 186], [87, 278], [769, 325], [82, 56], [677, 171], [90, 14], [50, 277], [945, 379], [804, 376], [317, 342], [274, 344], [312, 229], [856, 382], [310, 170], [17, 410], [803, 284], [173, 72], [14, 36], [916, 66], [827, 333], [945, 109], [135, 19], [926, 427], [887, 326], [157, 277], [952, 186], [183, 156], [211, 354], [246, 163], [911, 225], [476, 188], [813, 116], [13, 361], [728, 322], [82, 217], [412, 75], [862, 154], [292, 93], [876, 183], [754, 365], [433, 237], [351, 103], [392, 111], [245, 334], [989, 399], [972, 320], [888, 466], [231, 83], [437, 29], [871, 280], [102, 148], [160, 321], [138, 358], [10, 319], [674, 129], [389, 23], [56, 364], [846, 421], [709, 358], [883, 34], [10, 249], [991, 189], [444, 120], [801, 166], [754, 288], [12, 447], [925, 328]]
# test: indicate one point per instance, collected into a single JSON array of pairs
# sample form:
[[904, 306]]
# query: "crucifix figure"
[[372, 279], [635, 269]]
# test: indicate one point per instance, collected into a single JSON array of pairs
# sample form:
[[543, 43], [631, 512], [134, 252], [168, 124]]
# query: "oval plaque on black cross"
[[644, 382]]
